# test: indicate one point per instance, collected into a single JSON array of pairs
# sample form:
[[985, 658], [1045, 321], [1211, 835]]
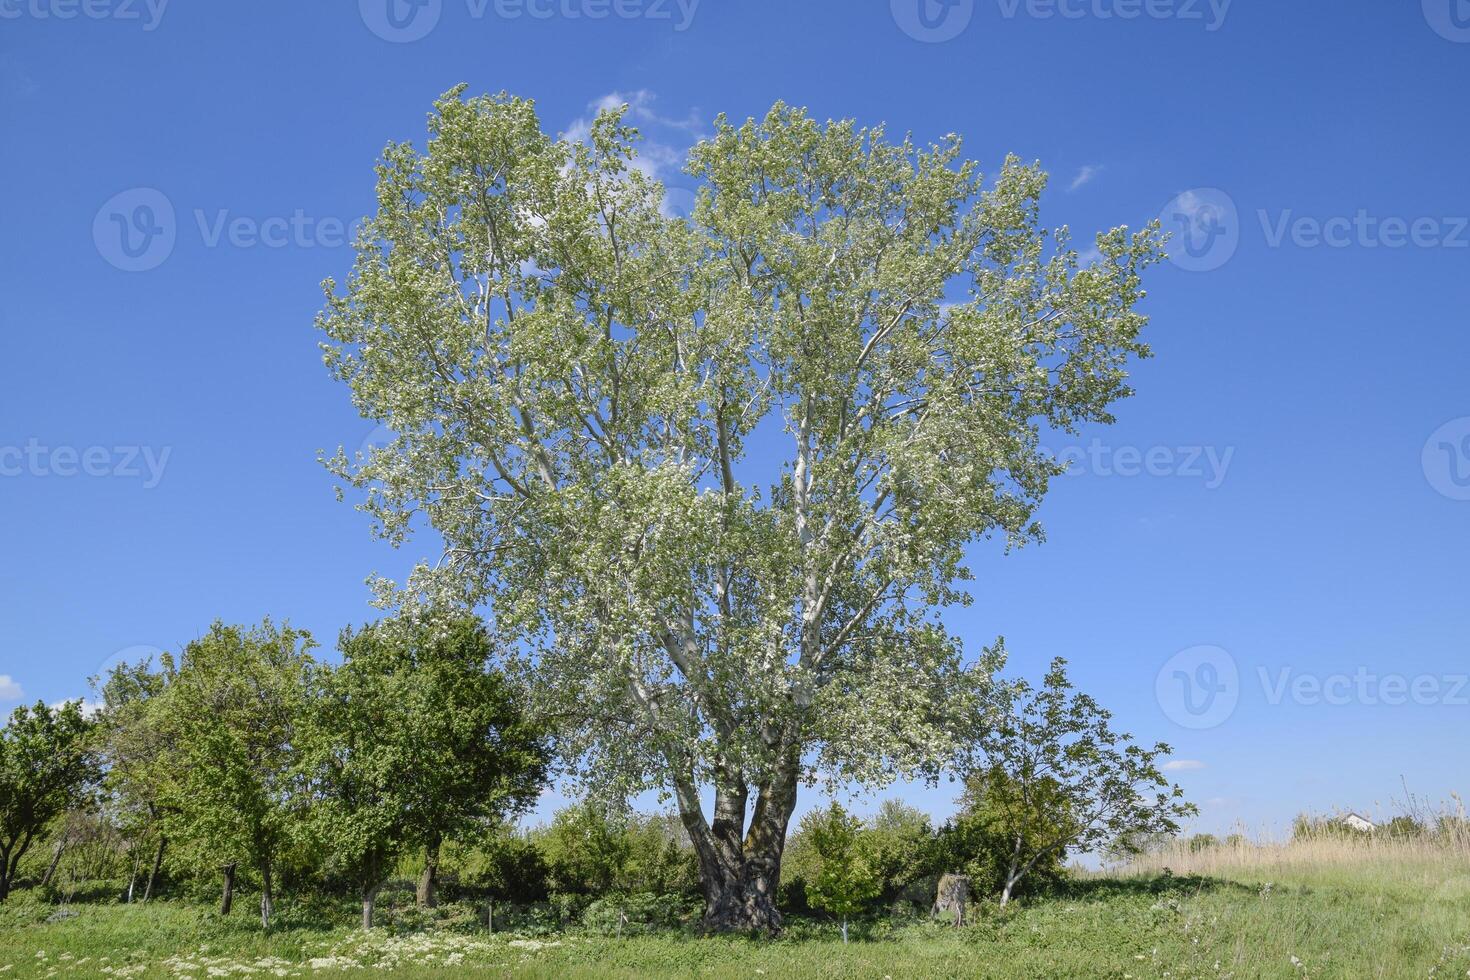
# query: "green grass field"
[[1263, 914]]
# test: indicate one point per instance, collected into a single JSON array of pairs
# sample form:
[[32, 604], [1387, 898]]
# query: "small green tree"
[[412, 740], [135, 747], [901, 844], [585, 848], [846, 880], [1065, 779], [230, 715], [980, 839], [46, 768]]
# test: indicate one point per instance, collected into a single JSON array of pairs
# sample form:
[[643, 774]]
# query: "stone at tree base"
[[952, 896]]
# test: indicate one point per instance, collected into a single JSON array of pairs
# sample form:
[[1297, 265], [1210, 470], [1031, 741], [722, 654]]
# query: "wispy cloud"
[[1085, 176], [1182, 765], [10, 689], [664, 147]]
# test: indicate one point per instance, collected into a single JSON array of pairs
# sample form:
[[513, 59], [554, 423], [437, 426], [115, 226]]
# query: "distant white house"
[[1358, 822]]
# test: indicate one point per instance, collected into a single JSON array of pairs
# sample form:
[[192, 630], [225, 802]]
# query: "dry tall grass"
[[1430, 849]]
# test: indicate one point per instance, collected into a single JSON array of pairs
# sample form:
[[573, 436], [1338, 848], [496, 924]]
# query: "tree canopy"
[[714, 477], [46, 767]]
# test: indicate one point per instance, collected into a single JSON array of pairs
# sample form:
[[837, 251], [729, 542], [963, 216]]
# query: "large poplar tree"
[[715, 475]]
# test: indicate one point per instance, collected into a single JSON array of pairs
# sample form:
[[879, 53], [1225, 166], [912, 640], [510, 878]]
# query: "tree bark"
[[1013, 875], [739, 876], [370, 904], [429, 882], [227, 892], [267, 898], [10, 863], [156, 870], [952, 896], [55, 862]]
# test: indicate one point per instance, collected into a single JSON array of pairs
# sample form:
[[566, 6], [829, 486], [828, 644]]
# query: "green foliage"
[[410, 740], [46, 768], [900, 844], [980, 841], [589, 850], [1058, 777], [230, 714], [846, 881], [504, 864]]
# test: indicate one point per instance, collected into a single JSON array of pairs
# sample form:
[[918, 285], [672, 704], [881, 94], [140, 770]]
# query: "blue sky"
[[1282, 505]]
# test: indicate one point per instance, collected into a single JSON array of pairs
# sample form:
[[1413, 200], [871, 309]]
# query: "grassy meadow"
[[1309, 909]]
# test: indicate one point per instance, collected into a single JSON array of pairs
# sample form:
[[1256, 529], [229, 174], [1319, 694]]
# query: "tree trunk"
[[227, 893], [739, 875], [267, 898], [10, 863], [157, 869], [952, 895], [1012, 876], [844, 932], [55, 862], [429, 881], [370, 904]]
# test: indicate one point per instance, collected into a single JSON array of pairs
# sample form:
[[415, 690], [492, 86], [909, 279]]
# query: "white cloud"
[[656, 158], [1182, 765], [10, 689], [1084, 176]]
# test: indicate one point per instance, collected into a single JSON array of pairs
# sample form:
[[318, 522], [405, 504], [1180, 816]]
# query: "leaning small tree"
[[715, 476], [47, 767], [1058, 777]]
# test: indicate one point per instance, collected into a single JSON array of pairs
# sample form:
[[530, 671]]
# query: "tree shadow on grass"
[[1101, 889]]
